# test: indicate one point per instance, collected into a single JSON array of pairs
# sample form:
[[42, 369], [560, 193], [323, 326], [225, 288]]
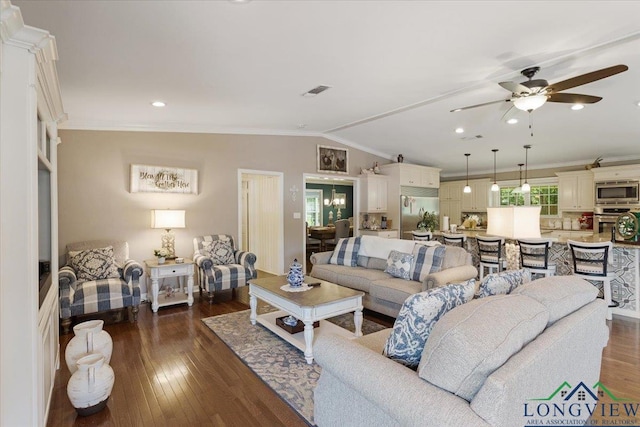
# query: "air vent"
[[316, 90], [469, 138]]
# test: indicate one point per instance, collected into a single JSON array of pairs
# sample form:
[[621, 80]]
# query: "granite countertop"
[[592, 238]]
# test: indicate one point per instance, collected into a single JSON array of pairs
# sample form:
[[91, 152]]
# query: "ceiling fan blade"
[[586, 78], [479, 105], [512, 111], [514, 87], [573, 98]]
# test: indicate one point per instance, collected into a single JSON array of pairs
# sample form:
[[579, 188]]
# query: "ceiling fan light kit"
[[467, 188], [533, 94]]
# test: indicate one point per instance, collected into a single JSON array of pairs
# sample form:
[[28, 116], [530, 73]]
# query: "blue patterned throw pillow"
[[399, 264], [503, 283], [416, 319], [427, 260], [220, 251], [94, 264], [346, 252]]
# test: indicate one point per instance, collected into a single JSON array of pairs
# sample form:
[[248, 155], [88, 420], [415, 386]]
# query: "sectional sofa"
[[383, 292], [493, 361]]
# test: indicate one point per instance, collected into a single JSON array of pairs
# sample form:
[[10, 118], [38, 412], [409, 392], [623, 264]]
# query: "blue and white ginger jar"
[[295, 276]]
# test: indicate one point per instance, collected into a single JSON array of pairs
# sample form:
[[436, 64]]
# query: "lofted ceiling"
[[395, 68]]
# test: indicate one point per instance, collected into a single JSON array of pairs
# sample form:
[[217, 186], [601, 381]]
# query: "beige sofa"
[[510, 363], [384, 293]]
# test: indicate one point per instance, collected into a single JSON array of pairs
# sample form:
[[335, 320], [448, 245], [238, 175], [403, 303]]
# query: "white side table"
[[170, 268]]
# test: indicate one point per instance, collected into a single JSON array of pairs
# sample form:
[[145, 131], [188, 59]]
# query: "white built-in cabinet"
[[575, 191], [478, 199], [30, 108], [373, 189], [451, 201], [385, 234], [406, 175]]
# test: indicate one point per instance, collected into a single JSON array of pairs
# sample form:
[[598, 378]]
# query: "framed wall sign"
[[163, 179], [333, 159]]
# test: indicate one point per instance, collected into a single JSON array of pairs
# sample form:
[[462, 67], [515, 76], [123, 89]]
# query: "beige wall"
[[95, 202]]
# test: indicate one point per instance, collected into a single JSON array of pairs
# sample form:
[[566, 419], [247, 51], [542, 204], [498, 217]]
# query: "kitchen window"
[[545, 195], [313, 207]]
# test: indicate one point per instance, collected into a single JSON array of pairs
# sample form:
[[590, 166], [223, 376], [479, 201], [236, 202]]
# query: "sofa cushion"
[[417, 317], [358, 278], [469, 343], [426, 260], [455, 257], [399, 264], [393, 289], [346, 252], [502, 283], [561, 295], [220, 251], [379, 247], [94, 264]]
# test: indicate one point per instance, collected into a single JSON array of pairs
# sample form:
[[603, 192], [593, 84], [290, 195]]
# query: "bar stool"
[[454, 239], [490, 252], [590, 261], [423, 236], [534, 255]]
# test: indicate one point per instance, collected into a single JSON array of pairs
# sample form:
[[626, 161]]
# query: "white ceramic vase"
[[161, 260], [89, 338], [90, 386]]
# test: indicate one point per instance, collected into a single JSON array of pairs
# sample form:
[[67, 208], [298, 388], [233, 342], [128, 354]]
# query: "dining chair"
[[454, 239], [421, 235], [342, 231]]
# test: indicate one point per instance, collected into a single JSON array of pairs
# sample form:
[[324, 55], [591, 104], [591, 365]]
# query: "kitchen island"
[[625, 288]]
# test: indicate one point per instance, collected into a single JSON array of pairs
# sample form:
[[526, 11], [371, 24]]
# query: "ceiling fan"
[[533, 94]]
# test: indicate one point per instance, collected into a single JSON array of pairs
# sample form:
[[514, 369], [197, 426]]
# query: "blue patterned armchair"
[[98, 276], [220, 265]]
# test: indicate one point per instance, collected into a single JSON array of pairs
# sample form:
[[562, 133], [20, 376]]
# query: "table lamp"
[[514, 222], [168, 219]]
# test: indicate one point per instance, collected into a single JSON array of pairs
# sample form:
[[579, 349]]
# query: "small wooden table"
[[170, 268], [315, 304]]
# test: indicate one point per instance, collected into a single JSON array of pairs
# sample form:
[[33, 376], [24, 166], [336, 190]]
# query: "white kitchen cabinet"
[[451, 201], [413, 175], [575, 190], [478, 199], [374, 193], [386, 234]]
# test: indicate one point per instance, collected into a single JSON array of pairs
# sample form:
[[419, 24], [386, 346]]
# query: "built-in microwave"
[[618, 193]]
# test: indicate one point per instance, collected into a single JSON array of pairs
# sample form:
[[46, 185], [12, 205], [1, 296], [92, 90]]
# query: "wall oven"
[[621, 193], [604, 219]]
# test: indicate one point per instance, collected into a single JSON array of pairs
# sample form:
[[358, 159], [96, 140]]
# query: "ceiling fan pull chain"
[[530, 124]]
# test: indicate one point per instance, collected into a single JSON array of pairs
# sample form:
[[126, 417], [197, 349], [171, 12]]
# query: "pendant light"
[[518, 189], [526, 187], [467, 189], [495, 186]]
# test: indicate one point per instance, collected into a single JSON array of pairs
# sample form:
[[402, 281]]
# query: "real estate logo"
[[581, 405]]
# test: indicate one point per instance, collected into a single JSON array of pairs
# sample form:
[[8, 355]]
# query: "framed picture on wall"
[[333, 159], [162, 179]]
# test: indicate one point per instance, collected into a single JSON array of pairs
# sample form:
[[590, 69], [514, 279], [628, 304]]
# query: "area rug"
[[279, 364]]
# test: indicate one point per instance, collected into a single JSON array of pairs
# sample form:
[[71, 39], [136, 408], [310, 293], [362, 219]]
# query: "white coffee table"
[[316, 304]]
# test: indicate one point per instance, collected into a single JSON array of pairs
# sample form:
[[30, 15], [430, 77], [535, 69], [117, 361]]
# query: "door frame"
[[280, 195], [356, 205]]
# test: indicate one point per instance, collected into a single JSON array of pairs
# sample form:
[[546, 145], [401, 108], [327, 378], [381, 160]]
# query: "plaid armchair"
[[213, 276], [120, 290]]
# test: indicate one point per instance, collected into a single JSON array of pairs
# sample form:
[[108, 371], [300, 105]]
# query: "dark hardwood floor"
[[171, 370]]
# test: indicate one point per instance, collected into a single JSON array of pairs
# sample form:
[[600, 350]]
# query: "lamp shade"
[[530, 103], [514, 222], [167, 218]]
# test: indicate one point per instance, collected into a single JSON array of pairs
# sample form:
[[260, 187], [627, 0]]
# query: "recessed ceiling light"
[[459, 130], [576, 107], [512, 121], [158, 104], [302, 126]]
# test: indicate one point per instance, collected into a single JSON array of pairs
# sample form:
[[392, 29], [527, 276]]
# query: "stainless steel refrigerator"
[[414, 202]]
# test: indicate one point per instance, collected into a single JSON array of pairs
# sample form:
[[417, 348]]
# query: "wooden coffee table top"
[[327, 292]]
